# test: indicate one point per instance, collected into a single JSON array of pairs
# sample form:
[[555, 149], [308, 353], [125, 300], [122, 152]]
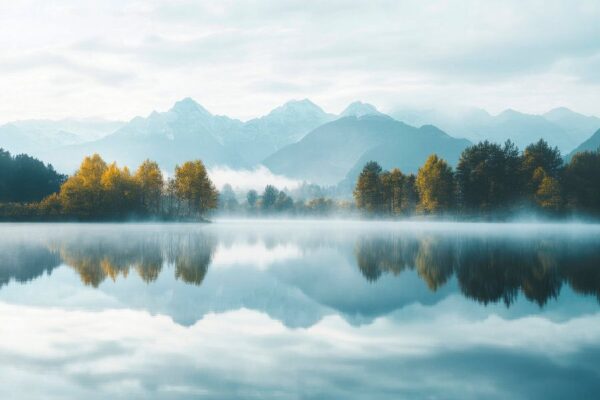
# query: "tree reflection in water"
[[24, 262], [97, 257], [488, 268]]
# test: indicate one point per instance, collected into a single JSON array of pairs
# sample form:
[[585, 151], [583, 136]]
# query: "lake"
[[299, 310]]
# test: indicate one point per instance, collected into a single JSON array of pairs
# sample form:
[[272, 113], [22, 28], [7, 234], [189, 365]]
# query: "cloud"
[[40, 60], [243, 58]]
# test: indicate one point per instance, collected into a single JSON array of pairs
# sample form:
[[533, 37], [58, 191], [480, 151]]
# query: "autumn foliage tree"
[[149, 179], [193, 186], [542, 165], [81, 194], [121, 194], [435, 184]]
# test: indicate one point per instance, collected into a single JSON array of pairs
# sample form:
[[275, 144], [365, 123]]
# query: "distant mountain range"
[[341, 147], [592, 144], [38, 136], [560, 127], [297, 139], [189, 131]]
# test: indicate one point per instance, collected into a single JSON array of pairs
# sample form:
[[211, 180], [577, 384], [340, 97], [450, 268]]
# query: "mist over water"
[[325, 309], [250, 179]]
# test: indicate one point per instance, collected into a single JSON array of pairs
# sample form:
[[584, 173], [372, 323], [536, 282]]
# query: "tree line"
[[101, 191], [489, 180], [26, 179], [272, 201]]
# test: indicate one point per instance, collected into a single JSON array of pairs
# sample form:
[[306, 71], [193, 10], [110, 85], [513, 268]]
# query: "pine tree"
[[368, 191]]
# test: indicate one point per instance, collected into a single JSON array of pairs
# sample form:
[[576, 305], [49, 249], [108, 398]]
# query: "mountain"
[[477, 125], [332, 151], [591, 144], [359, 109], [524, 129], [286, 124], [576, 125], [187, 131], [38, 136]]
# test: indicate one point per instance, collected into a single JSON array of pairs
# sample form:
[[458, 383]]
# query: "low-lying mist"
[[250, 179]]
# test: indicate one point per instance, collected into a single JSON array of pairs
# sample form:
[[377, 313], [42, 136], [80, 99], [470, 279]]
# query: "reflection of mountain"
[[24, 262], [488, 269]]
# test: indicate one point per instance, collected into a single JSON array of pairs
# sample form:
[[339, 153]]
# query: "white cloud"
[[124, 58]]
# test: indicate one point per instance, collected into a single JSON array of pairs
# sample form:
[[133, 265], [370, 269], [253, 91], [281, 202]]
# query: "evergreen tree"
[[582, 182], [368, 193], [488, 177], [25, 179], [540, 154], [284, 203], [410, 195], [269, 197], [227, 200], [252, 198]]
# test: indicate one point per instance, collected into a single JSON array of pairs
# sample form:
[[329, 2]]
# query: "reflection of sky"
[[256, 254], [278, 317], [244, 353]]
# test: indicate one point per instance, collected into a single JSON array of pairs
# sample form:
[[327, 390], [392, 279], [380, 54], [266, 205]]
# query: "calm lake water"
[[315, 310]]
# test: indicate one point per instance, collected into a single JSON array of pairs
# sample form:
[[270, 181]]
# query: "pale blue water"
[[295, 310]]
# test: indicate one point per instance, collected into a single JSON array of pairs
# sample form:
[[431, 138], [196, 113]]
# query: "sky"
[[120, 58]]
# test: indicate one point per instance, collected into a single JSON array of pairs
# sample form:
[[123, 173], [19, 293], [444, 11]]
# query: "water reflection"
[[316, 311], [23, 262], [97, 257], [488, 268]]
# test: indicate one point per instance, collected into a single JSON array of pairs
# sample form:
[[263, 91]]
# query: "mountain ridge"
[[327, 154]]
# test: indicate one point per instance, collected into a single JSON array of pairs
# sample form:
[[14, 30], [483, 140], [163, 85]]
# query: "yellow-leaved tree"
[[435, 184], [150, 183], [81, 194], [120, 191], [193, 186]]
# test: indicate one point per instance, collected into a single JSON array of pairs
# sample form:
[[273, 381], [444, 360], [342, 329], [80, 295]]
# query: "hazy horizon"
[[449, 110]]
